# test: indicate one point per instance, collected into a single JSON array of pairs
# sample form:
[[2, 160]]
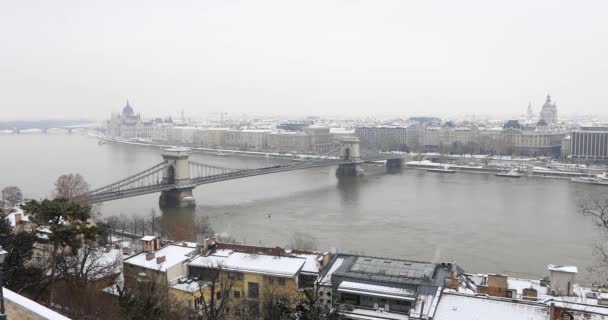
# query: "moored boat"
[[599, 179], [513, 173], [444, 169]]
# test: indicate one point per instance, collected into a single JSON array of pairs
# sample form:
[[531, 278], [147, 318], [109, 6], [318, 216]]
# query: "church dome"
[[548, 103], [127, 110]]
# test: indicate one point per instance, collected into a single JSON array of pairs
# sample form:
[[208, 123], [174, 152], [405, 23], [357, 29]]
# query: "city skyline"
[[321, 58]]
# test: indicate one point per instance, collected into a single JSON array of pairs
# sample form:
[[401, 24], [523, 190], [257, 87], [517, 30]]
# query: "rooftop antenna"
[[183, 118]]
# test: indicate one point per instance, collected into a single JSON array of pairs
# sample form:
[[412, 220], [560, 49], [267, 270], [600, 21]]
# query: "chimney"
[[156, 243], [451, 282], [160, 260], [150, 256]]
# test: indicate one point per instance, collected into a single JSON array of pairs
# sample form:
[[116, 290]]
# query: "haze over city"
[[84, 59], [309, 160]]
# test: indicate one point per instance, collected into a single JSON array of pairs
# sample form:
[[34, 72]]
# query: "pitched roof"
[[174, 254]]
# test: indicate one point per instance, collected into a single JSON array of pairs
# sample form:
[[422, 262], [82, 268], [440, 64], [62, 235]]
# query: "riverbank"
[[525, 166], [217, 152], [530, 171]]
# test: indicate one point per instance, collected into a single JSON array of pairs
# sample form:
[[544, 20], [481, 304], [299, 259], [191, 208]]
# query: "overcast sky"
[[85, 58]]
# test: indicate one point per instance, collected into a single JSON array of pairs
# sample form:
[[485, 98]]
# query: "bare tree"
[[69, 186], [12, 196], [303, 241], [146, 298], [215, 292], [79, 275], [596, 208], [202, 227]]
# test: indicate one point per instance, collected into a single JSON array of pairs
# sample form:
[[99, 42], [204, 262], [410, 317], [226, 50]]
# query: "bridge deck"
[[108, 193]]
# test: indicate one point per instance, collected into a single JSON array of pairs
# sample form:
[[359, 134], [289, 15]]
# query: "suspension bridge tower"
[[177, 173], [350, 151]]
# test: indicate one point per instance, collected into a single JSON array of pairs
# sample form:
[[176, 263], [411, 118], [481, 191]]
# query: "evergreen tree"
[[18, 274], [70, 229]]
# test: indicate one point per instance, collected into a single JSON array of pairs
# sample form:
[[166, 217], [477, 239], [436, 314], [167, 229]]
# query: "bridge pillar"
[[177, 173], [351, 152], [394, 163]]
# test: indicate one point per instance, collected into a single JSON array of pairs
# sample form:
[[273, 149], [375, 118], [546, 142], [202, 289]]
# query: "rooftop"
[[567, 269], [461, 307], [188, 286], [377, 290], [389, 270], [174, 254], [212, 260], [312, 263], [367, 314], [263, 264], [326, 279]]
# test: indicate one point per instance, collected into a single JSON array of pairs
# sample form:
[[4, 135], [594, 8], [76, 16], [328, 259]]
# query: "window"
[[270, 280], [235, 276], [218, 295], [281, 282], [237, 312], [254, 289], [237, 294]]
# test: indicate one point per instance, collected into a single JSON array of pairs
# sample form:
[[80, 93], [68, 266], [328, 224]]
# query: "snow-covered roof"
[[461, 307], [148, 238], [255, 131], [520, 284], [312, 264], [369, 314], [173, 255], [591, 312], [188, 286], [11, 216], [377, 290], [263, 264], [326, 280], [568, 269], [30, 305], [214, 260]]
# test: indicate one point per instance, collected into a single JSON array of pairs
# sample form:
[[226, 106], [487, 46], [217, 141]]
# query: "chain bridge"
[[176, 176]]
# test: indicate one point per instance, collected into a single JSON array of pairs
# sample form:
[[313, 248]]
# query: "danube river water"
[[484, 223]]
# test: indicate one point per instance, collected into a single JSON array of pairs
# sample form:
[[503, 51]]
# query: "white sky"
[[85, 58]]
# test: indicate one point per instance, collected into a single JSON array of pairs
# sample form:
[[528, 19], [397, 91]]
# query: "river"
[[484, 223]]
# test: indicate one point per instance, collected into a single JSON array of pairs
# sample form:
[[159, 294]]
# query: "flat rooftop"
[[461, 307], [263, 264], [390, 270]]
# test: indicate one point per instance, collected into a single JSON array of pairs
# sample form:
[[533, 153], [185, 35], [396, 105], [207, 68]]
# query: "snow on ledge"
[[567, 269], [36, 308]]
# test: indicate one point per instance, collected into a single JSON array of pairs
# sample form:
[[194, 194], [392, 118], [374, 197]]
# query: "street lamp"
[[3, 255]]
